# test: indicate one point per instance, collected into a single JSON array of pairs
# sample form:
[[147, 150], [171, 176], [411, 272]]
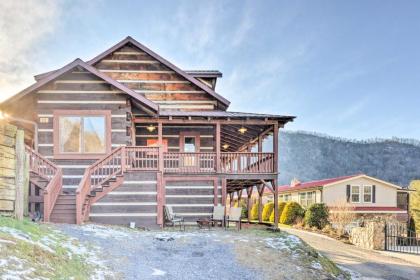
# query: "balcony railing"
[[232, 163]]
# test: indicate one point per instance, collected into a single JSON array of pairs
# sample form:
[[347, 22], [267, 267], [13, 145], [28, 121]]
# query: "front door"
[[189, 146]]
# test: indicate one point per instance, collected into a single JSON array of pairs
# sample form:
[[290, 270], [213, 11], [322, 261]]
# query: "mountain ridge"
[[311, 156]]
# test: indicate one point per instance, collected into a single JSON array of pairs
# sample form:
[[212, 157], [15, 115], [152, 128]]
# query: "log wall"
[[79, 90], [7, 167], [147, 76]]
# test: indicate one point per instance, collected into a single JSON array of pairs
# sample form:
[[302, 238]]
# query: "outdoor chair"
[[235, 214], [218, 215], [172, 219]]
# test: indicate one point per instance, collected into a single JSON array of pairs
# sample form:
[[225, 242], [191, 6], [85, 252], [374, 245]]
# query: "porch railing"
[[50, 172], [229, 162], [247, 163], [189, 162]]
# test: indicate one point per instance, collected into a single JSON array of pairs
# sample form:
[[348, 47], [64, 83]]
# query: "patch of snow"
[[105, 232], [157, 272], [316, 265]]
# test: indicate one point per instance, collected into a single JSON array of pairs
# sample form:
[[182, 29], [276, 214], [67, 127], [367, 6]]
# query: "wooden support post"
[[224, 194], [239, 197], [160, 198], [20, 174], [160, 145], [276, 204], [260, 206], [215, 192], [231, 196], [26, 185], [260, 143], [276, 147], [249, 202], [218, 147]]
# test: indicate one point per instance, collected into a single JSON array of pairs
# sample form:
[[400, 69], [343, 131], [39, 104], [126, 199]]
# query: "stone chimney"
[[295, 182]]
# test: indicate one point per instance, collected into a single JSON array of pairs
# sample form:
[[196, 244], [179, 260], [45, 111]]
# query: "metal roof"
[[222, 114]]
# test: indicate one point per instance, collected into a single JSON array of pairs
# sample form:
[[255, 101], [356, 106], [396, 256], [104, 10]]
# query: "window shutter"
[[373, 194], [348, 193]]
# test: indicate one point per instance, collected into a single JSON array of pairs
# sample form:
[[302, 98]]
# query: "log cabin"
[[114, 139]]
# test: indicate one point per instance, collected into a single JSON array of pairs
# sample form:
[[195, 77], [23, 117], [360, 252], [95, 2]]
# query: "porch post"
[[231, 199], [224, 192], [260, 206], [276, 204], [248, 204], [276, 147], [260, 140], [160, 145], [215, 192], [218, 155]]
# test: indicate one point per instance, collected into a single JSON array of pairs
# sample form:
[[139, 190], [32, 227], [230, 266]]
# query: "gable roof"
[[78, 62], [184, 74], [330, 181]]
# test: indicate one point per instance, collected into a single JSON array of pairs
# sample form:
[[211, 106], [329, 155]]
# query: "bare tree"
[[341, 215]]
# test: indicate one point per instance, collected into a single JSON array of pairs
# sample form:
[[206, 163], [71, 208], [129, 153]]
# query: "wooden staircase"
[[47, 177], [64, 210]]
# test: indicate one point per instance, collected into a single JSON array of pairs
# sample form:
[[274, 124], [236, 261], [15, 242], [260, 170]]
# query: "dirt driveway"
[[202, 254], [364, 264]]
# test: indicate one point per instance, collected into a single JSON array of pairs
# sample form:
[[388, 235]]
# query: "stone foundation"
[[371, 236]]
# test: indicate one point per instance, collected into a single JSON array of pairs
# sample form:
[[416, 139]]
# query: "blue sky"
[[345, 68]]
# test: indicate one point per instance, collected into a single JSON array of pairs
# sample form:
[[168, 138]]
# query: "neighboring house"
[[364, 195], [127, 132]]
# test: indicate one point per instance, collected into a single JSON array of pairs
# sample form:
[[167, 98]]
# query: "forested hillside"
[[311, 156]]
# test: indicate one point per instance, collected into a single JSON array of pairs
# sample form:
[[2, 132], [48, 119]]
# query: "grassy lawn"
[[29, 250]]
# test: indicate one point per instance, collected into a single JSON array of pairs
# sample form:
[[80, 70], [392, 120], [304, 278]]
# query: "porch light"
[[242, 130], [151, 128], [225, 146]]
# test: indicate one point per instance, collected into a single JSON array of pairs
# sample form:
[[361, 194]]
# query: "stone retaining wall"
[[371, 236]]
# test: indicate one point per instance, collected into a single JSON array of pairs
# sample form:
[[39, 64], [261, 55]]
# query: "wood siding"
[[79, 90], [147, 76]]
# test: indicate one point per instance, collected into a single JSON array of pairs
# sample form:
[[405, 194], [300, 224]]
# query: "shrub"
[[268, 208], [244, 211], [341, 216], [281, 207], [291, 212], [254, 211], [316, 215]]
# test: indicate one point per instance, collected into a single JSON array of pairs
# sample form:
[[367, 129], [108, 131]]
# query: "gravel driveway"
[[203, 254]]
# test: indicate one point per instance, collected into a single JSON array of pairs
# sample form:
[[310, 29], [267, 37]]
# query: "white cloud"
[[23, 24]]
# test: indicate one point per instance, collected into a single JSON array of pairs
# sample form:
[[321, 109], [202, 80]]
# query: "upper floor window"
[[367, 193], [355, 194], [81, 133]]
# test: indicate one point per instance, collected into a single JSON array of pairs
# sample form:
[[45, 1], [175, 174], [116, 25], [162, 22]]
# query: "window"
[[306, 198], [302, 199], [355, 194], [310, 198], [189, 144], [367, 194], [287, 197], [81, 133], [281, 198]]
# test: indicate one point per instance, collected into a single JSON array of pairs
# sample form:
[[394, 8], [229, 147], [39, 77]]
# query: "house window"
[[287, 197], [189, 144], [355, 194], [281, 198], [367, 194], [302, 199], [81, 133], [310, 198]]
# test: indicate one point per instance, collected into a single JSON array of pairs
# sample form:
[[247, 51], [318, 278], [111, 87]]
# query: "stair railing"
[[49, 171]]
